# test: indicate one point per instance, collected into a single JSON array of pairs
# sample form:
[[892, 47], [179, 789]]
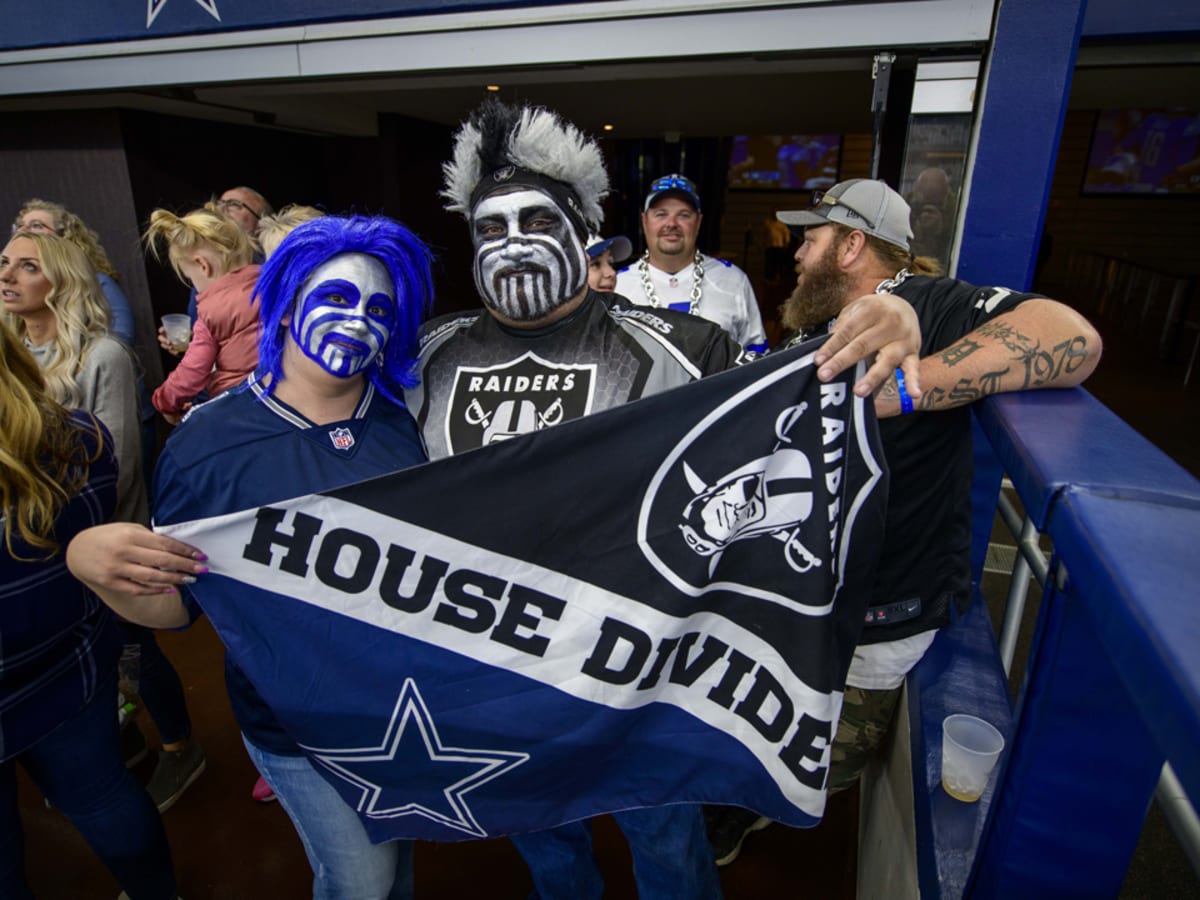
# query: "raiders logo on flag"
[[491, 404], [768, 503]]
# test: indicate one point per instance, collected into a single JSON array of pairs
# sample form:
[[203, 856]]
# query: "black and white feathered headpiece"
[[500, 146]]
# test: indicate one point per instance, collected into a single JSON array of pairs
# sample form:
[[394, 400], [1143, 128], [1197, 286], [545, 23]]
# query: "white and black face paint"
[[345, 313], [528, 260]]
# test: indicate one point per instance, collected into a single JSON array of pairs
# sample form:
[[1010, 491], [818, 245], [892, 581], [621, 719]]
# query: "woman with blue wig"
[[341, 301]]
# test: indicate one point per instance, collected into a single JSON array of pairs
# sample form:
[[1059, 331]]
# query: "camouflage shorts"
[[866, 718]]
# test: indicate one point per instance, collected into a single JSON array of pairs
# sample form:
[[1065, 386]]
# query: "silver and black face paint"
[[528, 258]]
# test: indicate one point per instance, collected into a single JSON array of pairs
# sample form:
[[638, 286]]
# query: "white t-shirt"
[[726, 296], [883, 666]]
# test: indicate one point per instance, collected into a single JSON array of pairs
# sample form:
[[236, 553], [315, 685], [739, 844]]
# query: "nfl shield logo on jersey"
[[342, 438]]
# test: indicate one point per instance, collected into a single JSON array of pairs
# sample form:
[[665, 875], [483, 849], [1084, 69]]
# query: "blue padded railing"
[[1112, 686]]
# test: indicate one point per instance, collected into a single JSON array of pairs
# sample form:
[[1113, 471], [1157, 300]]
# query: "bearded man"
[[975, 341]]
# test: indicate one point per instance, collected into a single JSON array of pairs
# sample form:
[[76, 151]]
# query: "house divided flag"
[[654, 604]]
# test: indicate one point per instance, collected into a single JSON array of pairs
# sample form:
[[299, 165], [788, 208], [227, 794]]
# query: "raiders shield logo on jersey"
[[495, 403]]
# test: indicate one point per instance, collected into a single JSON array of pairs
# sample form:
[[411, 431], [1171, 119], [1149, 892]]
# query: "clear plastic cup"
[[178, 328], [970, 748]]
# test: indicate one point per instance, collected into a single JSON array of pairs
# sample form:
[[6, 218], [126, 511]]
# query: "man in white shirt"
[[673, 273]]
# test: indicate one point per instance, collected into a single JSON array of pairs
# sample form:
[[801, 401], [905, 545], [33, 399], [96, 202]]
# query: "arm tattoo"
[[1044, 366], [931, 399], [1005, 334], [956, 353]]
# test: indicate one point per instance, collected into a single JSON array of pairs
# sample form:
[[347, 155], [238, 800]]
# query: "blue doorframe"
[[1028, 78]]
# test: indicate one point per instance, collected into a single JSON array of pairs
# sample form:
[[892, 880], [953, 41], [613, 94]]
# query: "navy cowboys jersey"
[[247, 448], [483, 382]]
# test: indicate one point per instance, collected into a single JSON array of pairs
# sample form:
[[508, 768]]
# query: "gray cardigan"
[[108, 381]]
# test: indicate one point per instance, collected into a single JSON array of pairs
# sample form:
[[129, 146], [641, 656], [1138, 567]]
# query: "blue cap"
[[621, 246], [676, 185]]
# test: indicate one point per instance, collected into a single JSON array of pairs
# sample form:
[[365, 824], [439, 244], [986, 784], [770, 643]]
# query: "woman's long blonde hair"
[[75, 230], [201, 229], [80, 312], [43, 458]]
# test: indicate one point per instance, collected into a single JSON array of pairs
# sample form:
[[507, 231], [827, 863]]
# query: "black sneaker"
[[133, 744], [728, 827], [174, 774]]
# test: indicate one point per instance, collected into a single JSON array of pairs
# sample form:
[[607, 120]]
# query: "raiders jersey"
[[726, 297], [483, 382]]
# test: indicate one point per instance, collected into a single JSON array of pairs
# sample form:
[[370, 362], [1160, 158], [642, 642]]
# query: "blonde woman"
[[52, 300], [209, 251], [58, 659], [47, 217]]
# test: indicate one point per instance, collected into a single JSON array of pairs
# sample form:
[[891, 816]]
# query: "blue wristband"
[[905, 400]]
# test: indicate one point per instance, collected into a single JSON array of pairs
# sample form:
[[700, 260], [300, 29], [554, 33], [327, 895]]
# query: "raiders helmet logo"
[[765, 502], [504, 173]]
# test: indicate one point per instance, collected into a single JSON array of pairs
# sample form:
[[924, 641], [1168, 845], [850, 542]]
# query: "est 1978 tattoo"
[[1039, 366]]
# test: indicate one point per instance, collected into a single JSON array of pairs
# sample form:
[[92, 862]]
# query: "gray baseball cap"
[[860, 203]]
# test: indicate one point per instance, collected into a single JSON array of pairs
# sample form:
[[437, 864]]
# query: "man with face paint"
[[342, 300], [548, 349]]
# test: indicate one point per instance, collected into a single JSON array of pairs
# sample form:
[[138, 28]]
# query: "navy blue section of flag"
[[656, 604]]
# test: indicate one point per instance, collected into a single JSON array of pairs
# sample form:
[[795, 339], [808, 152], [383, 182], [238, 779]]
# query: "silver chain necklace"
[[902, 276], [697, 278]]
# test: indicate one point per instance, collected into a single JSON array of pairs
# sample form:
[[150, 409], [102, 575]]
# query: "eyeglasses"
[[823, 198], [36, 225], [226, 204]]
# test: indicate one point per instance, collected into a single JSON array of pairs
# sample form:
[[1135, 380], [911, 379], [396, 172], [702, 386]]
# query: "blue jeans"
[[159, 685], [79, 769], [345, 863], [672, 859]]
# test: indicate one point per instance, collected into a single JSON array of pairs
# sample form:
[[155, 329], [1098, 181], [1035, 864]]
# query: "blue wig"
[[407, 260]]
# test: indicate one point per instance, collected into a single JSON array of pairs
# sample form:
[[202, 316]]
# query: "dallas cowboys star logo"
[[154, 7], [417, 773]]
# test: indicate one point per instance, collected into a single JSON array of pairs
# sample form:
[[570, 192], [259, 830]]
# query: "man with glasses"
[[975, 341], [245, 206], [673, 273]]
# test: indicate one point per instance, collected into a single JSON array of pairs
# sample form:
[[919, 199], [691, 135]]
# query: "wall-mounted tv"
[[785, 162], [1145, 151]]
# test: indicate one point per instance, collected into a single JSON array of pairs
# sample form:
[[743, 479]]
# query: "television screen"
[[1145, 151], [785, 162]]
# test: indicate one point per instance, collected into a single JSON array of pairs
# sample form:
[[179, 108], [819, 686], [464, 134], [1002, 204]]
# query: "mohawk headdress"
[[501, 145]]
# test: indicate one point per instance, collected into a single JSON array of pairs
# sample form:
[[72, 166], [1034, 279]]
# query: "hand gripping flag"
[[655, 604]]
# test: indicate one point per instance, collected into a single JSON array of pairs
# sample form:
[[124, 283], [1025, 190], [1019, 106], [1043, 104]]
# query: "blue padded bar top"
[[1135, 567], [1056, 438]]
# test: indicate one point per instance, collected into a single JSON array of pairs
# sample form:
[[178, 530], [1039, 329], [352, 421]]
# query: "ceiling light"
[[493, 87], [608, 127]]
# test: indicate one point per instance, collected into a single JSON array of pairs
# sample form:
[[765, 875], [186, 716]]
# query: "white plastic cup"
[[970, 748], [178, 328]]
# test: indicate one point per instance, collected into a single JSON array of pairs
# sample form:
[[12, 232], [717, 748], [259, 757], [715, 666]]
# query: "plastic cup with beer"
[[970, 748], [178, 328]]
